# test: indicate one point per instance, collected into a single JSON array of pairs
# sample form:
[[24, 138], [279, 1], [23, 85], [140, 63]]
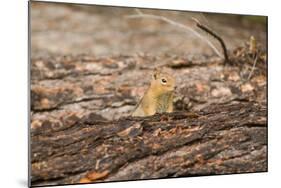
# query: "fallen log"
[[219, 139]]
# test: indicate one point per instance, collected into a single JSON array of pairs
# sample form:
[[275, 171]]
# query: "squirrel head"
[[162, 82]]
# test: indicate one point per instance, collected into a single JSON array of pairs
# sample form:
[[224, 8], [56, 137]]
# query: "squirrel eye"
[[164, 81]]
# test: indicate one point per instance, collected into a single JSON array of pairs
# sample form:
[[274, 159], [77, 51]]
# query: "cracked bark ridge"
[[219, 139]]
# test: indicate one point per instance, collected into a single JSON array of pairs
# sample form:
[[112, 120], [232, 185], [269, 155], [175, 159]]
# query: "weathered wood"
[[219, 139], [82, 95], [81, 131]]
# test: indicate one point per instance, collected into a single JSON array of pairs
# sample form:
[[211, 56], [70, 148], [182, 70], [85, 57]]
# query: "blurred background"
[[87, 58], [101, 30]]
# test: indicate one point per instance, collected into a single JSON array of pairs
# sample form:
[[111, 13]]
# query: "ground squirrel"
[[159, 96]]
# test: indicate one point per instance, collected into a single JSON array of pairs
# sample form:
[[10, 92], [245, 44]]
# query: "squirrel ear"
[[156, 73]]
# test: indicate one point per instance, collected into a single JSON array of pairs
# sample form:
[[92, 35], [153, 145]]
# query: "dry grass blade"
[[253, 67]]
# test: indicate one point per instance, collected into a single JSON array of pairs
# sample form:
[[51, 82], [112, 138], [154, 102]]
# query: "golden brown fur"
[[159, 96]]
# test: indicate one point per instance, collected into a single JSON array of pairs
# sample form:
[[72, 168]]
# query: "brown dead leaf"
[[84, 180], [92, 176]]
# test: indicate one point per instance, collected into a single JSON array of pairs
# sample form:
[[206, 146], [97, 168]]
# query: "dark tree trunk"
[[219, 139]]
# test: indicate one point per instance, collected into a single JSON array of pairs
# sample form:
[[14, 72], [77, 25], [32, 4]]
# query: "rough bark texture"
[[90, 67], [81, 130], [221, 139]]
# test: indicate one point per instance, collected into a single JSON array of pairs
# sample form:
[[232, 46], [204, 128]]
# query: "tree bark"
[[219, 139]]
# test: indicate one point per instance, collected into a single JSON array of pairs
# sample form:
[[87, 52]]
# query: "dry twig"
[[253, 67], [209, 31], [174, 23]]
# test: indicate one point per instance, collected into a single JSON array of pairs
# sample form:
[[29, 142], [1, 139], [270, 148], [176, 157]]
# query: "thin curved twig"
[[209, 31], [186, 28]]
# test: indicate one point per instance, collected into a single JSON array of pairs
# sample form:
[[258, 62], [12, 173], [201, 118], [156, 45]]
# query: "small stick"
[[216, 36], [253, 67], [174, 23]]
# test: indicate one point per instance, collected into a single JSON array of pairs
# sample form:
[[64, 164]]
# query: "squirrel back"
[[159, 96]]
